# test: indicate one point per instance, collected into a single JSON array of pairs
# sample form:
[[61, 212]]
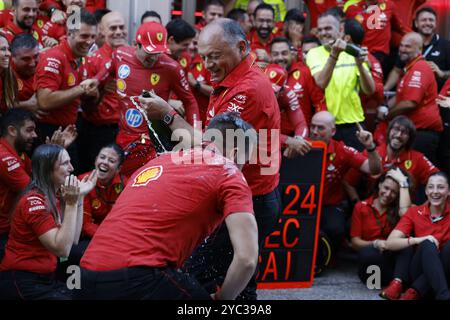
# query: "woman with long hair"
[[426, 228], [8, 82], [372, 221], [46, 222]]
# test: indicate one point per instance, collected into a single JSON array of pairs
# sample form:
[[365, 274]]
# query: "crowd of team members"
[[72, 96]]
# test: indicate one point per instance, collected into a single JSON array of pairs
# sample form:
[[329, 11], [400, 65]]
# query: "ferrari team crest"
[[154, 79]]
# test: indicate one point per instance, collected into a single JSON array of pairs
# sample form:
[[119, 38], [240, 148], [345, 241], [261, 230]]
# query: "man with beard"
[[262, 36], [25, 15], [397, 152], [416, 96], [98, 125], [17, 136], [212, 10]]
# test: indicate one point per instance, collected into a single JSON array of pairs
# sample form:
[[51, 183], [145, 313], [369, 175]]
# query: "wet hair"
[[9, 88], [23, 41], [150, 13], [282, 40], [208, 3], [355, 30], [43, 164], [404, 121], [294, 15], [232, 121], [330, 13], [336, 12], [311, 39], [14, 117], [236, 14], [180, 30], [264, 6], [117, 149]]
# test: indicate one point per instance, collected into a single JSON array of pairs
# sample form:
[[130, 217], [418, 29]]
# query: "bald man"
[[416, 96], [340, 159], [99, 124]]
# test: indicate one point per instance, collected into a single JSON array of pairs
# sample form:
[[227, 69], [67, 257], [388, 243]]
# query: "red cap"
[[277, 75], [153, 37]]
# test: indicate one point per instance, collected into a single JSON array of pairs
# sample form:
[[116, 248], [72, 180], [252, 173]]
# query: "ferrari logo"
[[71, 80], [296, 75], [147, 175], [118, 188], [40, 23], [154, 79], [159, 36], [199, 67], [408, 164], [383, 6], [96, 204], [183, 62], [272, 74]]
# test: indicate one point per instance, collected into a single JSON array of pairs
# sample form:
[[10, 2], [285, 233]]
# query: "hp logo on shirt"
[[133, 118]]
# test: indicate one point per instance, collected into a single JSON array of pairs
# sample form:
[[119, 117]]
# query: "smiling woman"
[[8, 83]]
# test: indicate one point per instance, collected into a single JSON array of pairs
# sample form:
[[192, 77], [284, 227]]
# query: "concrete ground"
[[339, 283]]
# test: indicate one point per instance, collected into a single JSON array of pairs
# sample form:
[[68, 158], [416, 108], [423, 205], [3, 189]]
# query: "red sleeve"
[[36, 215], [234, 193], [47, 4], [406, 223], [377, 73], [445, 91], [355, 158], [396, 21], [13, 174], [89, 228], [49, 73], [415, 85], [316, 94], [351, 12], [356, 228], [295, 114], [181, 88], [353, 177], [426, 169]]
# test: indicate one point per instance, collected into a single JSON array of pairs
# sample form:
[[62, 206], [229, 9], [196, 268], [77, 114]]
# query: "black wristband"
[[197, 85], [371, 149]]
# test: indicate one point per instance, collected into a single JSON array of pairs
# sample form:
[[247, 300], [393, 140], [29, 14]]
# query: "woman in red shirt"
[[430, 225], [38, 233], [8, 82], [99, 202], [373, 220]]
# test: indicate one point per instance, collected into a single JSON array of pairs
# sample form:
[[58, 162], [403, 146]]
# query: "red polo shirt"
[[293, 122], [368, 224], [248, 91], [377, 98], [311, 97], [340, 158], [25, 87], [93, 5], [107, 111], [412, 161], [445, 89], [98, 202], [202, 75], [165, 211], [15, 174], [317, 7], [6, 16], [377, 32], [255, 42], [417, 221], [11, 30], [40, 23], [24, 251], [59, 70], [419, 85]]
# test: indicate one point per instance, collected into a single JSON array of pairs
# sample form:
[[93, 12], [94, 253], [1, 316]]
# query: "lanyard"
[[382, 227], [427, 52]]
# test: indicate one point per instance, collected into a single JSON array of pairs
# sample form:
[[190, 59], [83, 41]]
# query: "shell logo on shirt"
[[96, 204], [121, 85], [71, 80], [296, 74], [154, 79], [147, 175]]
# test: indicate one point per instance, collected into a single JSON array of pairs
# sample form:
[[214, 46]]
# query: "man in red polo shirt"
[[379, 19], [25, 15], [146, 67], [310, 96], [416, 96], [239, 86], [61, 81], [17, 135], [99, 123], [340, 158], [164, 212], [212, 10]]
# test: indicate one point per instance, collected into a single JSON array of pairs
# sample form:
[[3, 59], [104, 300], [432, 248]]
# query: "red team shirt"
[[160, 232], [340, 158], [10, 30], [23, 250], [58, 70], [317, 7], [293, 122], [25, 87], [419, 85], [377, 32], [98, 202], [247, 91], [308, 93], [417, 221], [54, 30], [201, 74], [15, 174]]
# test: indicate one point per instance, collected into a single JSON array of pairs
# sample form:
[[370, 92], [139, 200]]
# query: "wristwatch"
[[168, 117], [197, 85], [404, 184]]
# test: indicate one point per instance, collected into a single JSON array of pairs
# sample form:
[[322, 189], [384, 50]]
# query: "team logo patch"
[[124, 71], [96, 204], [272, 74], [183, 62], [408, 164], [19, 85], [147, 175], [199, 67], [133, 118], [121, 85], [319, 1], [40, 23], [154, 79], [118, 188], [383, 6], [359, 18], [71, 80], [296, 75], [159, 36]]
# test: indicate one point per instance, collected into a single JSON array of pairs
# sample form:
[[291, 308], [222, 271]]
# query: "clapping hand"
[[88, 183], [70, 190]]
